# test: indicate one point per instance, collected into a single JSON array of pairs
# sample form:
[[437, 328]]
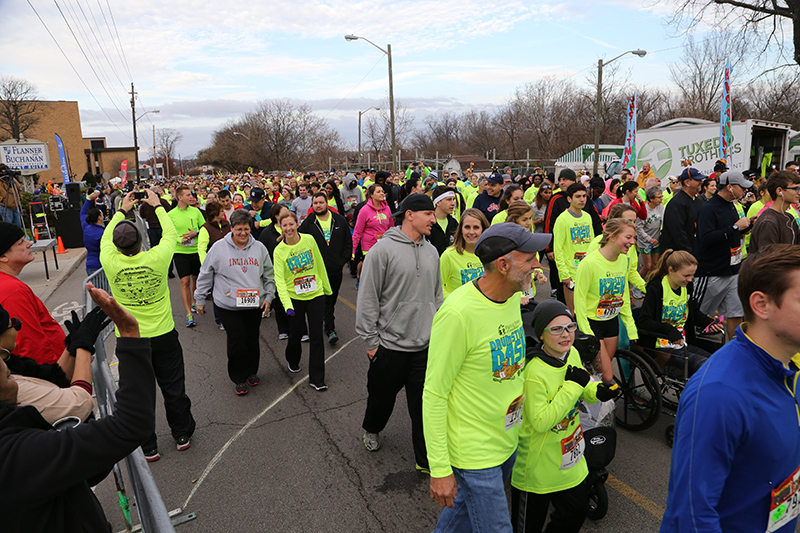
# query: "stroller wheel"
[[598, 501], [670, 434]]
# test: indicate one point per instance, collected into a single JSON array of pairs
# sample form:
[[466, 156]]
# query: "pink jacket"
[[371, 225]]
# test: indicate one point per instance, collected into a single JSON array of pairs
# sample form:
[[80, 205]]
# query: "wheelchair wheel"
[[639, 404], [598, 501], [670, 434]]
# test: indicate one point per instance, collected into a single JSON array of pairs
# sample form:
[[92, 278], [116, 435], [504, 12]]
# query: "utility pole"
[[155, 170], [135, 143]]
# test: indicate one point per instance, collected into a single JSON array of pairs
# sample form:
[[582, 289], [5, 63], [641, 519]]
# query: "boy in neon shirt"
[[572, 234]]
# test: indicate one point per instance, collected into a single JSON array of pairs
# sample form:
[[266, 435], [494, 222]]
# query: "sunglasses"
[[572, 327], [16, 324]]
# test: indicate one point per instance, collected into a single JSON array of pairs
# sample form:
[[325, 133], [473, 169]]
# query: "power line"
[[101, 44], [114, 22], [76, 71], [117, 47], [354, 87]]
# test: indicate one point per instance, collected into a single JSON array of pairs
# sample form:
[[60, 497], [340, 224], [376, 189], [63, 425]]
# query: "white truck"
[[670, 146]]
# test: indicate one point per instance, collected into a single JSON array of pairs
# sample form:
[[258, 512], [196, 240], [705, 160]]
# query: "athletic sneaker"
[[190, 323], [357, 280], [183, 443], [372, 441], [319, 387], [304, 338], [423, 469], [293, 370], [333, 338], [221, 327], [254, 381], [194, 308], [283, 336], [151, 456], [241, 389]]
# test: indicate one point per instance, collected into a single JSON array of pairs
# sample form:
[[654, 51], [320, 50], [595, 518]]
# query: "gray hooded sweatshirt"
[[399, 292], [350, 197], [231, 268]]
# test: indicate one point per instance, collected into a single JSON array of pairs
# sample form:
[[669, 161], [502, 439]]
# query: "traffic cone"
[[61, 249], [36, 234]]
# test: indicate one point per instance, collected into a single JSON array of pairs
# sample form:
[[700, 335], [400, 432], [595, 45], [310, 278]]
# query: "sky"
[[202, 63]]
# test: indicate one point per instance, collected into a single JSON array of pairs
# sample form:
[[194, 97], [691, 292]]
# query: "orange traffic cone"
[[36, 234], [61, 249]]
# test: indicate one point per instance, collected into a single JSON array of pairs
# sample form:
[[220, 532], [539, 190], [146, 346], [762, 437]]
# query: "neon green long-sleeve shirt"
[[550, 419], [601, 292], [571, 238], [457, 269], [300, 271], [473, 395], [634, 278]]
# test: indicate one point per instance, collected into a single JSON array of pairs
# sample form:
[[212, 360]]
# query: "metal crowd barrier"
[[153, 514]]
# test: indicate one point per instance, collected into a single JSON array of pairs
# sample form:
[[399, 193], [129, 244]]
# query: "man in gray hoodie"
[[352, 195], [400, 292]]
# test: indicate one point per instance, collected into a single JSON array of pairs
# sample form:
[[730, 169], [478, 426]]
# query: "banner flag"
[[725, 135], [629, 154], [62, 156]]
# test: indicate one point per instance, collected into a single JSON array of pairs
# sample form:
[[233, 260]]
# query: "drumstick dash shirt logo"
[[300, 262], [508, 351]]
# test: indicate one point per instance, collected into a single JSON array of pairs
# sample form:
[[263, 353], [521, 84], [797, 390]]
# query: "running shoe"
[[357, 280], [319, 387], [292, 369], [241, 389], [151, 456], [283, 336], [333, 338], [254, 381], [423, 469], [304, 338], [190, 323], [221, 327], [183, 443], [372, 441], [194, 308]]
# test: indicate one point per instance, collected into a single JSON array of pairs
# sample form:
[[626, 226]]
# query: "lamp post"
[[388, 53], [359, 130], [242, 134], [135, 140], [600, 65]]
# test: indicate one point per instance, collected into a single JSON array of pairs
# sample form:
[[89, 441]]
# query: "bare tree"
[[775, 97], [19, 106], [167, 141]]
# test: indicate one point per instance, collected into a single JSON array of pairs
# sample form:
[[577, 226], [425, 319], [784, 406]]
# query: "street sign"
[[29, 156]]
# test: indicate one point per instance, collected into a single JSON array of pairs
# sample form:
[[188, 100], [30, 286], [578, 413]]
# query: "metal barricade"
[[153, 514]]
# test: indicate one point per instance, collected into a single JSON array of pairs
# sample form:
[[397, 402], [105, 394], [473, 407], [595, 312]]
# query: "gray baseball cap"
[[734, 177], [506, 237]]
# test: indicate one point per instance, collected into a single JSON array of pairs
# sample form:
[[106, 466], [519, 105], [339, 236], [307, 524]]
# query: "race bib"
[[572, 448], [514, 413], [736, 255], [607, 309], [190, 242], [784, 502], [664, 343], [305, 284], [578, 258], [247, 298]]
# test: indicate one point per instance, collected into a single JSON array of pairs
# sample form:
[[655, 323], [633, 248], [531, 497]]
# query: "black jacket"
[[46, 474], [560, 203], [255, 230], [269, 238], [680, 223], [338, 252], [442, 239], [716, 238], [649, 321]]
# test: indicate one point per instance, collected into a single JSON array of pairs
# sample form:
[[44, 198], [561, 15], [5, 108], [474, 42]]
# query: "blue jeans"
[[481, 504], [10, 215]]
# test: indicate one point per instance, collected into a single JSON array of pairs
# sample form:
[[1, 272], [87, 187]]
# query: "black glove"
[[72, 326], [605, 393], [86, 334], [578, 375]]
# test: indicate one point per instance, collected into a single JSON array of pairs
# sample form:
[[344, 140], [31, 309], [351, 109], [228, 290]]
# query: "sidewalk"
[[33, 274]]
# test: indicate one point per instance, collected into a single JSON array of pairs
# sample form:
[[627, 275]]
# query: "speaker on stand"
[[74, 195]]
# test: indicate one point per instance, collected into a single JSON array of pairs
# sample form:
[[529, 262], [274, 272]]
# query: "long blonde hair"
[[674, 259], [614, 227]]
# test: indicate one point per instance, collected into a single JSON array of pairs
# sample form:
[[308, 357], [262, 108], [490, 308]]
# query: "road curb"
[[67, 273]]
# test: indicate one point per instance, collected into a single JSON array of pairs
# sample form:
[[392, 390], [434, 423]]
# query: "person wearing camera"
[[47, 473], [138, 280], [92, 223], [9, 196]]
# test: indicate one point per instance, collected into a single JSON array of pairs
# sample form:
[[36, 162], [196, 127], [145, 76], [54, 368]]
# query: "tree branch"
[[776, 10]]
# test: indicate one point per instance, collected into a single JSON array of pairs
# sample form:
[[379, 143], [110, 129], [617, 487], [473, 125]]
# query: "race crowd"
[[446, 269]]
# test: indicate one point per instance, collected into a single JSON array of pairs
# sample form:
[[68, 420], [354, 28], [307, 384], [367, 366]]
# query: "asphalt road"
[[288, 458]]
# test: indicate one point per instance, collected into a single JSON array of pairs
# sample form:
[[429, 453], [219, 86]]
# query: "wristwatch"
[[736, 227]]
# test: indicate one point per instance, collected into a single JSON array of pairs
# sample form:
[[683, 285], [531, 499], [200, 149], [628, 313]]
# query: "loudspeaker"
[[74, 195], [68, 227]]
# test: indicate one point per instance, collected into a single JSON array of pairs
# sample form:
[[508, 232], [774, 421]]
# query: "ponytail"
[[674, 259], [614, 227]]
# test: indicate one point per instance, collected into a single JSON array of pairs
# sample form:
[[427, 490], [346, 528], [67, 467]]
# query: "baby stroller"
[[599, 434]]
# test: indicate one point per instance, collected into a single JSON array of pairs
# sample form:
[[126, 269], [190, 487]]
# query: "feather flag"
[[725, 135], [629, 154]]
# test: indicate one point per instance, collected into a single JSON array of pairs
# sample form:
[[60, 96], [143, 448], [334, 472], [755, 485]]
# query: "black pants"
[[390, 371], [244, 352], [167, 359], [280, 315], [529, 510], [312, 310], [335, 279], [155, 237], [555, 282]]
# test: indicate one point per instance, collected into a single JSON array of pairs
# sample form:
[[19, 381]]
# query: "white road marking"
[[247, 426], [63, 311]]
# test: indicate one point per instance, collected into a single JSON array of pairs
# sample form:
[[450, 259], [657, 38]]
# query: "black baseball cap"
[[256, 194], [414, 202], [506, 237]]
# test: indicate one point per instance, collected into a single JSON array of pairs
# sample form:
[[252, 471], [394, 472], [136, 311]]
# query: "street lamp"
[[242, 134], [135, 139], [359, 130], [388, 53], [600, 65]]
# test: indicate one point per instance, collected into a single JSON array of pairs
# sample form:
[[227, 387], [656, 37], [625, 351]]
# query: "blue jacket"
[[92, 233], [737, 437], [489, 205]]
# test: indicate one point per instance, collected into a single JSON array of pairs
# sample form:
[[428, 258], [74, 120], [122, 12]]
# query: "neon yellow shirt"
[[571, 238], [184, 220], [300, 271], [550, 424], [601, 292], [139, 283], [326, 228], [472, 400], [634, 278], [500, 217], [457, 269], [530, 194], [674, 311]]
